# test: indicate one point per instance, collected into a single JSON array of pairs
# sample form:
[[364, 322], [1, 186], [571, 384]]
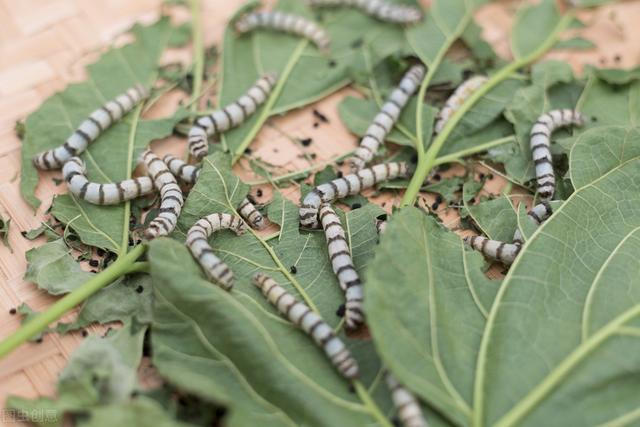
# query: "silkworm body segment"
[[387, 117], [197, 242], [346, 186], [409, 411], [285, 22], [541, 146], [342, 264], [190, 173], [380, 9], [460, 95], [74, 174], [538, 214], [171, 199], [230, 116], [310, 322], [500, 251], [89, 130]]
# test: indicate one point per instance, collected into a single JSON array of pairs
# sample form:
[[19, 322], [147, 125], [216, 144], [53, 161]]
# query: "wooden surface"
[[44, 45]]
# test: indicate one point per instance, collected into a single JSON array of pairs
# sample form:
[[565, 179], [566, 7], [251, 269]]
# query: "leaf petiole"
[[39, 323], [426, 160]]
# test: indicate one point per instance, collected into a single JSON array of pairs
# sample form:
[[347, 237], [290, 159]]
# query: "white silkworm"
[[538, 214], [171, 199], [460, 95], [346, 186], [342, 264], [74, 173], [310, 322], [380, 9], [89, 130], [182, 170], [381, 226], [500, 251], [285, 22], [230, 116], [190, 173], [386, 118], [197, 242], [541, 144], [406, 403]]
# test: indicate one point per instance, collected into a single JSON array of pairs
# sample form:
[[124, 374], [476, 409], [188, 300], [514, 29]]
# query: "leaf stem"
[[124, 244], [427, 161], [39, 323], [453, 157], [198, 52], [365, 397], [265, 112]]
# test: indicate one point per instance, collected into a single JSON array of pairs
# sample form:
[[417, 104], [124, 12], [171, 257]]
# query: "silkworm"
[[346, 186], [89, 130], [230, 116], [538, 214], [74, 173], [286, 22], [197, 242], [406, 403], [500, 251], [171, 199], [386, 118], [310, 322], [459, 96], [541, 144], [380, 9], [190, 173], [381, 226], [342, 264]]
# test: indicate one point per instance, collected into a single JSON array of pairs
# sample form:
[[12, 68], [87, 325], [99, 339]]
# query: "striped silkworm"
[[74, 173], [538, 214], [230, 116], [310, 322], [89, 130], [197, 242], [459, 96], [348, 185], [380, 9], [541, 146], [190, 173], [171, 199], [500, 251], [406, 403], [285, 22], [387, 117], [342, 264]]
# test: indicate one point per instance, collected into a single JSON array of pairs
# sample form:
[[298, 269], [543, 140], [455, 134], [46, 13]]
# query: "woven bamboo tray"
[[45, 44]]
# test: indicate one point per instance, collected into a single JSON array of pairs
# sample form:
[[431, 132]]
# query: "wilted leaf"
[[52, 268], [100, 371], [426, 300]]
